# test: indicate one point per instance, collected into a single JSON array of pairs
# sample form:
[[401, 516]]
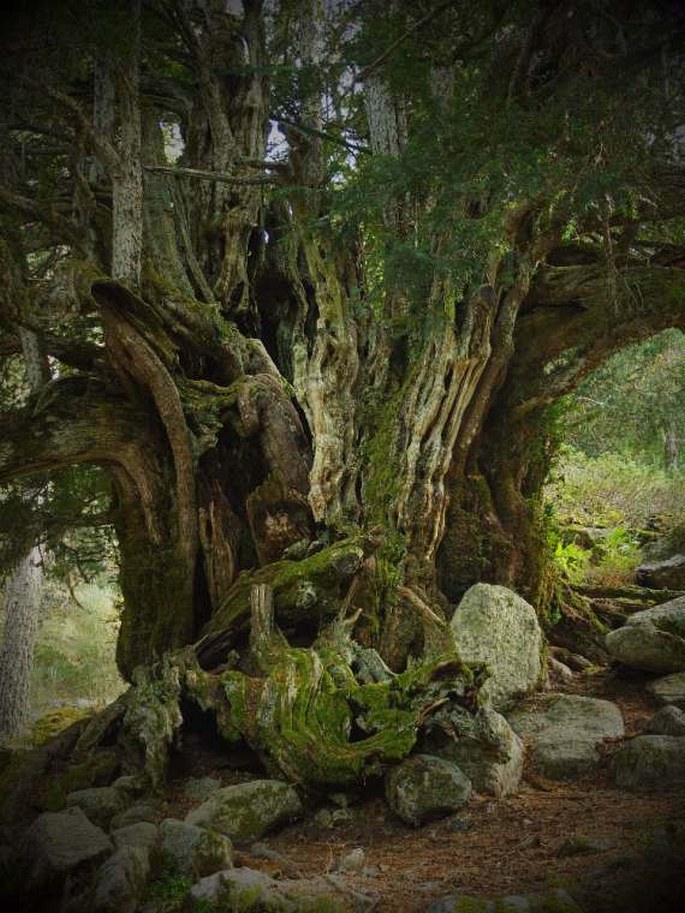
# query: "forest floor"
[[586, 836]]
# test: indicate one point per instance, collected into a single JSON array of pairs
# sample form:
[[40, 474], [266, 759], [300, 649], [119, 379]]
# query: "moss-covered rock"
[[424, 787], [483, 745], [192, 850], [495, 626], [121, 881], [249, 810], [558, 901], [651, 763], [653, 639], [245, 890], [567, 732], [100, 803], [58, 843]]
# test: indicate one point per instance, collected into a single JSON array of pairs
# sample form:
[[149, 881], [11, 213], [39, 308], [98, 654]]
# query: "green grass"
[[622, 496], [613, 491]]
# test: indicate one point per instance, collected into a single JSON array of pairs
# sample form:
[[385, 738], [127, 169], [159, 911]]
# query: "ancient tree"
[[313, 277]]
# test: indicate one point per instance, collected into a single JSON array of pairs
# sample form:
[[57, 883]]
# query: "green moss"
[[99, 769], [168, 892], [466, 904], [301, 713], [315, 583], [320, 905], [50, 724]]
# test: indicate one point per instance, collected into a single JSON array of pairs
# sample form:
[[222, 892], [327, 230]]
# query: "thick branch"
[[573, 320], [201, 175], [74, 422]]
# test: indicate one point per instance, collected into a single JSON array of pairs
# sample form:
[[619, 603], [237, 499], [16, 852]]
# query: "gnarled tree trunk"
[[267, 422]]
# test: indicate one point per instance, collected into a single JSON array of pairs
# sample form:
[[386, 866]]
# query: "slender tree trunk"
[[22, 618], [22, 596]]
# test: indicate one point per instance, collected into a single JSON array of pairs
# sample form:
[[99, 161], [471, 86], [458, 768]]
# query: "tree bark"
[[23, 591], [22, 618]]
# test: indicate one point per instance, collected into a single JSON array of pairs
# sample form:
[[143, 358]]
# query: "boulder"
[[424, 787], [670, 689], [57, 843], [100, 803], [143, 834], [567, 732], [653, 639], [141, 811], [251, 891], [192, 850], [651, 763], [669, 720], [247, 811], [668, 574], [121, 881], [558, 901], [495, 626], [244, 886], [197, 789], [483, 745]]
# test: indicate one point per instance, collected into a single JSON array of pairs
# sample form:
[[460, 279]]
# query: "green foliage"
[[610, 490], [633, 404], [53, 722], [571, 561], [617, 556], [168, 892], [74, 658]]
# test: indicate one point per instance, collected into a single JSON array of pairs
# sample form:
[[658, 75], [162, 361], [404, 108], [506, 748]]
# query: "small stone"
[[323, 818], [670, 689], [459, 825], [669, 720], [130, 785], [578, 845], [341, 816], [371, 871], [142, 811], [352, 861]]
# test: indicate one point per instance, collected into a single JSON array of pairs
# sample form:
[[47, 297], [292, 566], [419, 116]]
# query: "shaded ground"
[[514, 845]]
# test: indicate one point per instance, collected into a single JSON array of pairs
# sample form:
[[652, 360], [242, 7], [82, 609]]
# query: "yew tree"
[[311, 277]]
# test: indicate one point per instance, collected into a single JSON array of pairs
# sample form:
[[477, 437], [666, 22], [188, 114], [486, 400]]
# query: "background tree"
[[633, 404], [331, 331]]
